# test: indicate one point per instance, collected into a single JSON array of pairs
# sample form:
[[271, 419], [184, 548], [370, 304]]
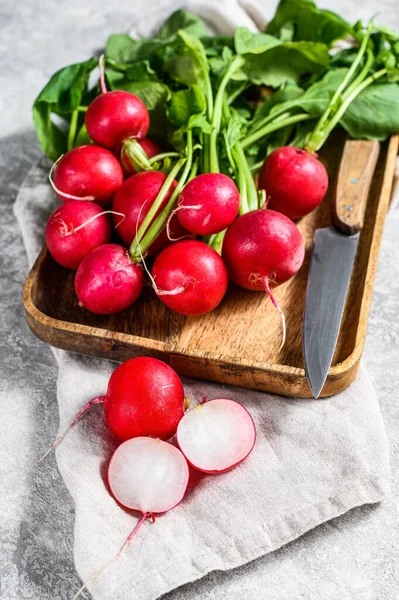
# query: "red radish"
[[134, 199], [148, 475], [263, 249], [208, 204], [88, 173], [145, 397], [107, 281], [150, 148], [190, 277], [74, 229], [114, 117], [294, 180], [216, 435]]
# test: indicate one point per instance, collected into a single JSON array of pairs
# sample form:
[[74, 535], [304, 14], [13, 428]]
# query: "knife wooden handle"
[[355, 174]]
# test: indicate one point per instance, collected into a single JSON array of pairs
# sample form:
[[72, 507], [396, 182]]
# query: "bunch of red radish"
[[261, 249]]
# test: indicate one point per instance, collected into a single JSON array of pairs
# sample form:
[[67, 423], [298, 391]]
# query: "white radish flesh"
[[148, 475], [216, 435]]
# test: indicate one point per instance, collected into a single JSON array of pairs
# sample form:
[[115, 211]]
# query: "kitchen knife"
[[333, 255]]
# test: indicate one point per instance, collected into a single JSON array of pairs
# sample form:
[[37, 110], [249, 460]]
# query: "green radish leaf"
[[287, 32], [121, 48], [302, 132], [214, 44], [235, 130], [83, 137], [184, 104], [255, 43], [190, 65], [63, 94], [199, 122], [308, 23], [374, 114], [316, 98], [284, 62], [343, 58], [287, 93], [182, 19], [219, 64], [141, 71]]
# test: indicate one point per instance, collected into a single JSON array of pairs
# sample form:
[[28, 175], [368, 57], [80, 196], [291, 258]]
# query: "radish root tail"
[[178, 290], [170, 238], [105, 212], [102, 74], [117, 556], [276, 305], [58, 439], [64, 194]]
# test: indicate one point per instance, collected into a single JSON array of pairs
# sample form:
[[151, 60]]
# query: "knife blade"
[[332, 260]]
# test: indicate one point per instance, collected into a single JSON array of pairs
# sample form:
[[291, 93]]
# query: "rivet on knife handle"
[[356, 171]]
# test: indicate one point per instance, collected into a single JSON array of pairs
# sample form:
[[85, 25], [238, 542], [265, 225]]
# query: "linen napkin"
[[313, 461]]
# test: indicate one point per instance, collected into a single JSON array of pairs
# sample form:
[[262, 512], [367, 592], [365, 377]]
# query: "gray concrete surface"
[[355, 557]]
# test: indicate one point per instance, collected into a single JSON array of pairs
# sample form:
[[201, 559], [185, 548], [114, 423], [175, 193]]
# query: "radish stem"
[[72, 129], [260, 133], [217, 113], [137, 156]]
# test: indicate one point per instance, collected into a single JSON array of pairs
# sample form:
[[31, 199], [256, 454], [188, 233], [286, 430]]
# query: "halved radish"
[[148, 475], [216, 435]]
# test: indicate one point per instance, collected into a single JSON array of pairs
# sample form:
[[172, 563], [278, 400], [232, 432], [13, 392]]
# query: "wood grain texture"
[[356, 171], [237, 343]]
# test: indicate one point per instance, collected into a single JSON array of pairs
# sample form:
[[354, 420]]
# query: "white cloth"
[[313, 461]]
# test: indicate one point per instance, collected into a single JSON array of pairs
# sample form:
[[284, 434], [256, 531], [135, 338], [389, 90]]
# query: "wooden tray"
[[235, 344]]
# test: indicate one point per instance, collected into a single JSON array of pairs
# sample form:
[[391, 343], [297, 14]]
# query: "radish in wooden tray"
[[107, 281], [262, 249], [150, 149], [114, 118], [208, 204], [76, 228], [295, 181], [190, 278], [135, 198], [87, 173]]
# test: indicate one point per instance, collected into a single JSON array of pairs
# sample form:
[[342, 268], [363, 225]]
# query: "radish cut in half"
[[148, 475], [217, 435]]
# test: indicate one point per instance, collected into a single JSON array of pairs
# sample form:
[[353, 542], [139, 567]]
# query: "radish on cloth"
[[216, 435], [146, 475]]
